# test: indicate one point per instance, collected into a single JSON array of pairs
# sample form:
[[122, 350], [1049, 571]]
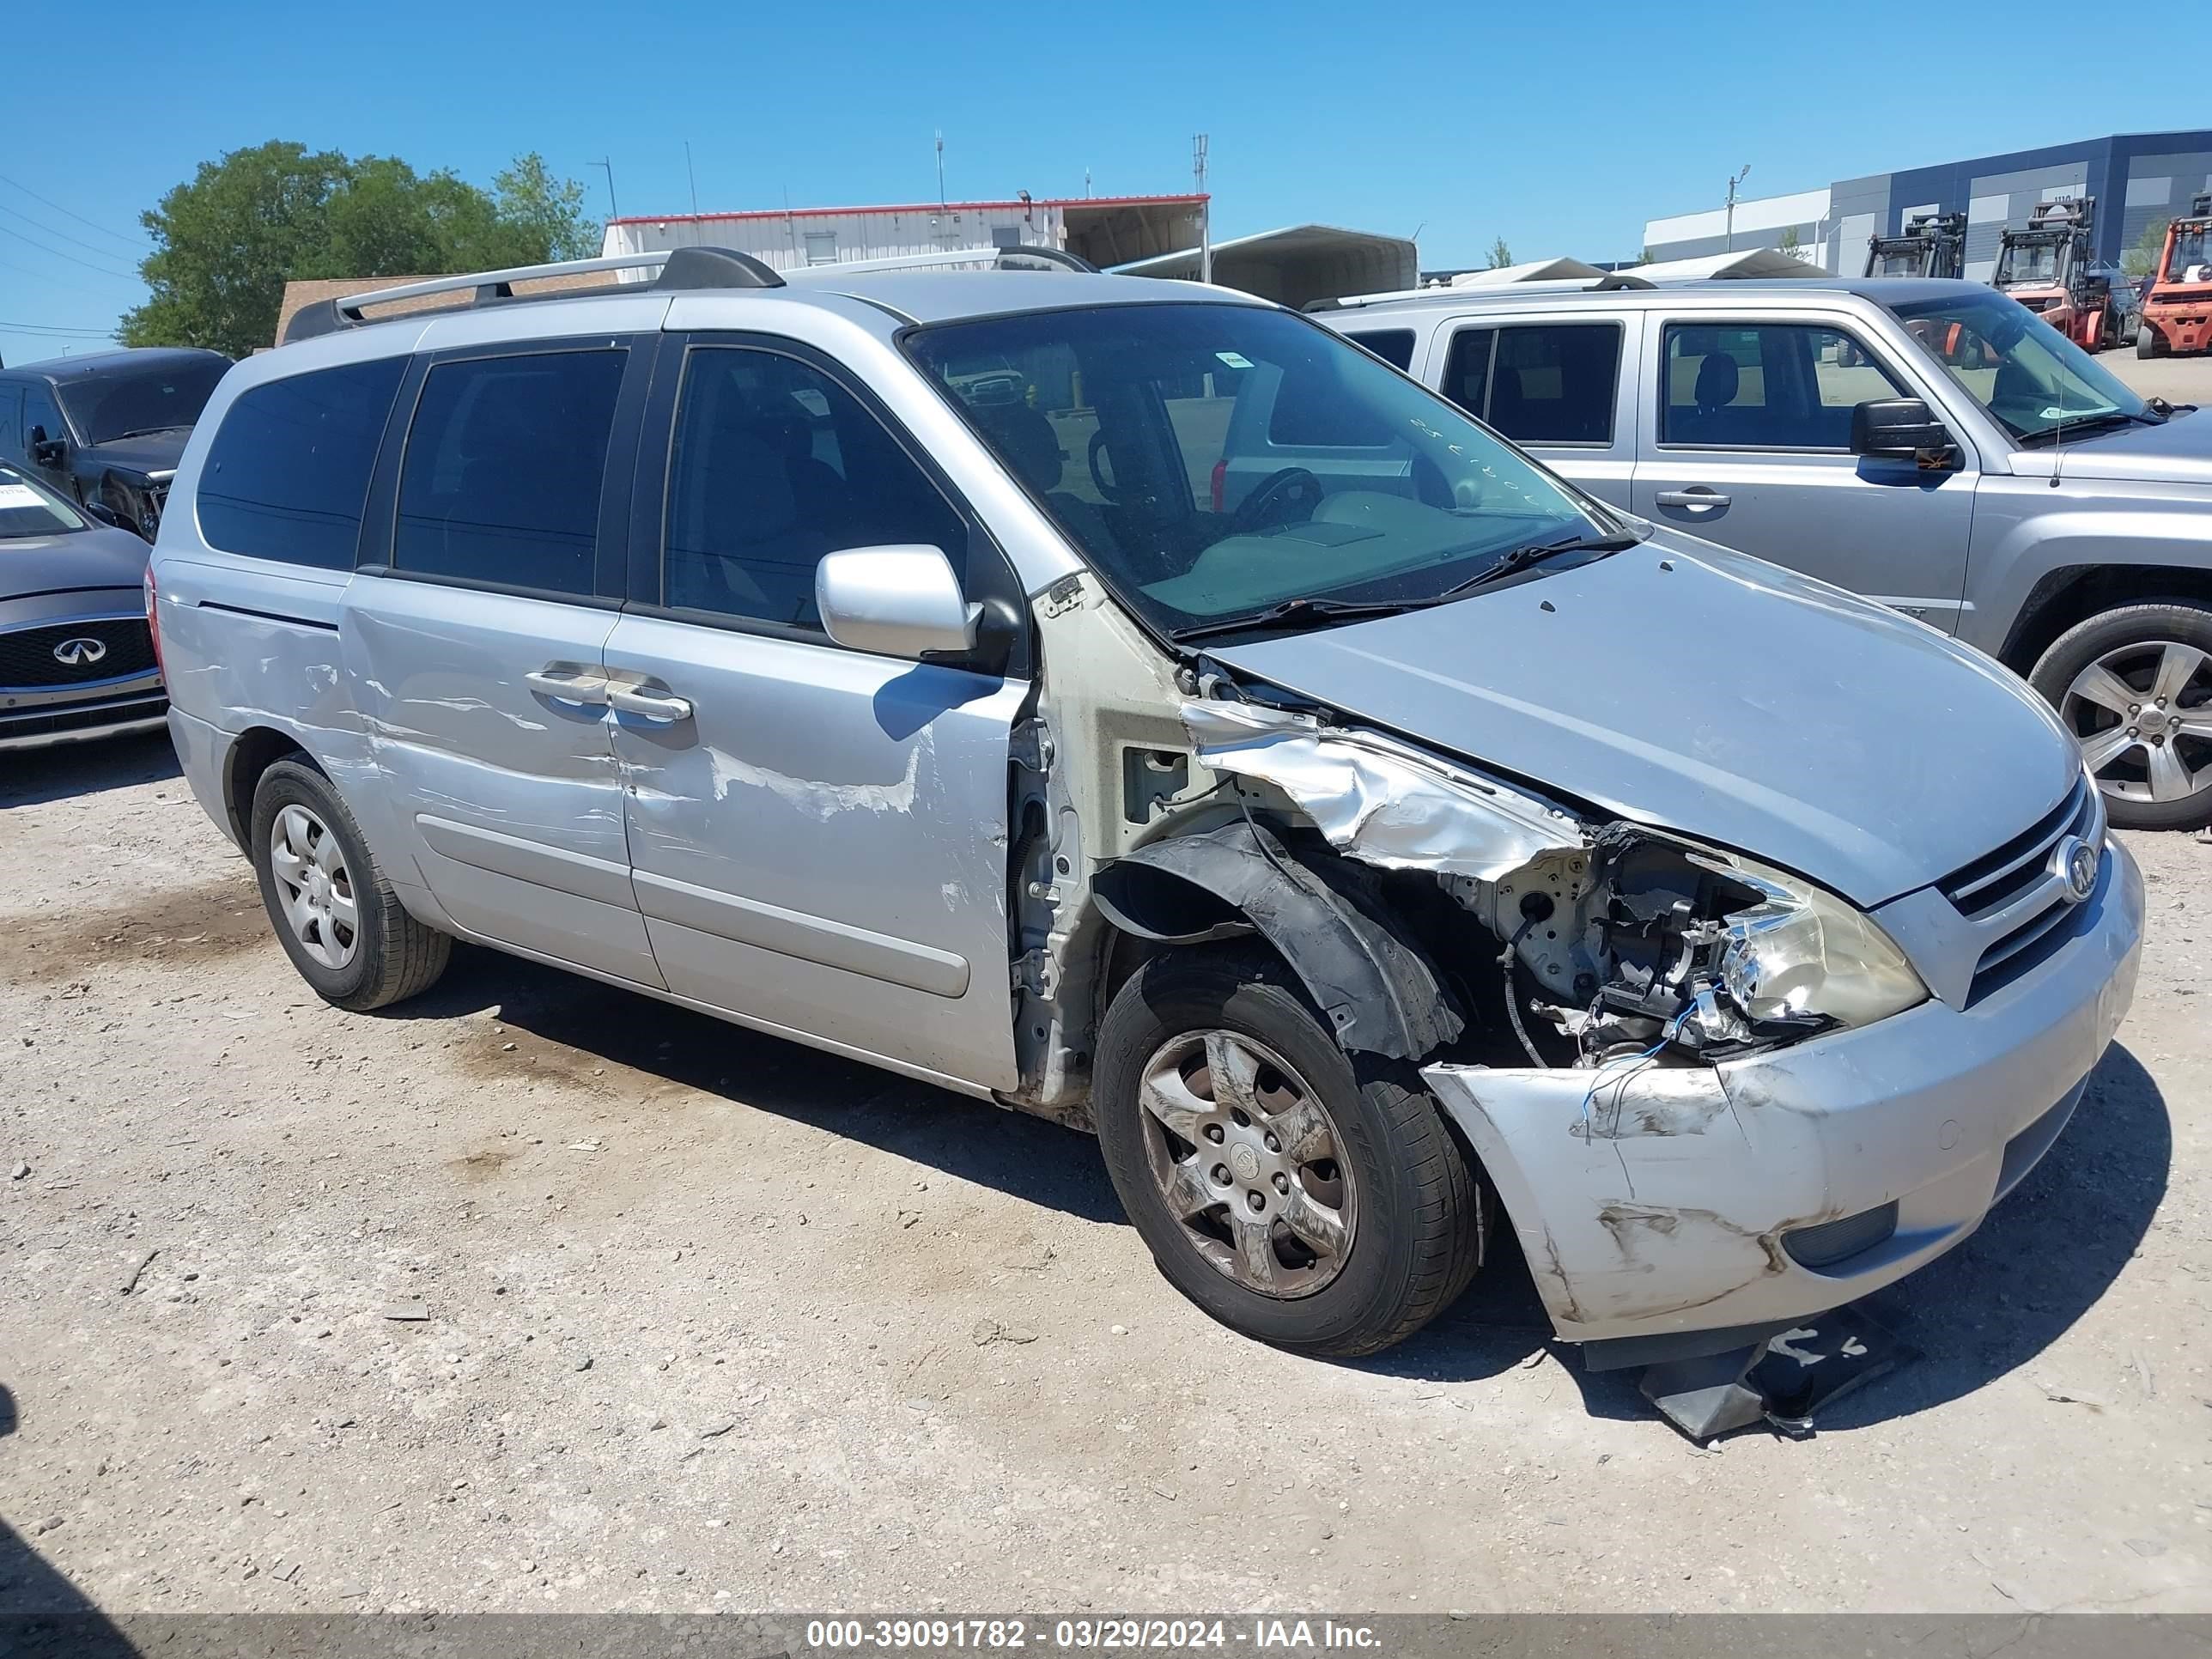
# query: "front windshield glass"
[[2029, 265], [29, 508], [2031, 377], [2192, 255], [1215, 461], [106, 407], [1903, 262]]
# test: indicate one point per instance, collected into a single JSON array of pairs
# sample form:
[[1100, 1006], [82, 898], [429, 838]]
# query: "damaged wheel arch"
[[1379, 992]]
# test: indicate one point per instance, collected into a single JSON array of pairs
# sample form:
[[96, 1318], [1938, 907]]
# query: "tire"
[[2139, 644], [1413, 1211], [382, 955], [2146, 341]]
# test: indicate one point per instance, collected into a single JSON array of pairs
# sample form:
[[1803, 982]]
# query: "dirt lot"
[[714, 1322]]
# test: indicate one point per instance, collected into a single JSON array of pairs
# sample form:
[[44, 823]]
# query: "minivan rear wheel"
[[2134, 685], [1294, 1197], [335, 912]]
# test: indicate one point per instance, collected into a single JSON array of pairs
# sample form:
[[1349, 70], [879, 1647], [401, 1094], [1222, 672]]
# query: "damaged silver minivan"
[[1361, 843]]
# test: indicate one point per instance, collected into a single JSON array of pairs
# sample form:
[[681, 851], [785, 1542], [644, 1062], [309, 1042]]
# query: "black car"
[[105, 430]]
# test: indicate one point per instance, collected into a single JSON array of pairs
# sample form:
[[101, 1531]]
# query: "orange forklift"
[[1933, 245], [2051, 268], [2176, 311]]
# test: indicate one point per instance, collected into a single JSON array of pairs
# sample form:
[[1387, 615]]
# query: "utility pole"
[[613, 212], [692, 176], [940, 169], [1205, 210], [1741, 174]]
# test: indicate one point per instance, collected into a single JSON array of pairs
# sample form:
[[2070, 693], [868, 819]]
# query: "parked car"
[[76, 658], [107, 427], [1410, 835], [1929, 444]]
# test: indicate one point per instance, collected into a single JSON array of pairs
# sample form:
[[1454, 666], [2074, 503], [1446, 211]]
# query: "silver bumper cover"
[[1665, 1202]]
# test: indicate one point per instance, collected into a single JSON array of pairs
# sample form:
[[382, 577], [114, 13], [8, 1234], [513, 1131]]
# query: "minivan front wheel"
[[2134, 685], [1291, 1197], [335, 913]]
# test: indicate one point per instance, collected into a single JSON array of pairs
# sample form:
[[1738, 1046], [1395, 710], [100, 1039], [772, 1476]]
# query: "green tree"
[[1500, 255], [227, 241], [2143, 258], [1791, 243]]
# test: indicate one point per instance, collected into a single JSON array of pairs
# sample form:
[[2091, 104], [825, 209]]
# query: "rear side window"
[[1538, 383], [1395, 346], [288, 473], [505, 460]]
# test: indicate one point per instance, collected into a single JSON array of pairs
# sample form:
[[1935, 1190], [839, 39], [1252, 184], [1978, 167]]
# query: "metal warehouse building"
[[2138, 179]]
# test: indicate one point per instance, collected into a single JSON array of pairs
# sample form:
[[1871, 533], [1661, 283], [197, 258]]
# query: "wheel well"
[[256, 751], [2065, 597]]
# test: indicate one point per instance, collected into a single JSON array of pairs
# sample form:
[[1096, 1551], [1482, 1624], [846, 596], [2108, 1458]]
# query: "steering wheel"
[[1289, 497]]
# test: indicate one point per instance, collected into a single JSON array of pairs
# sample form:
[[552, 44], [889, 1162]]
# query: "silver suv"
[[894, 663], [1929, 444]]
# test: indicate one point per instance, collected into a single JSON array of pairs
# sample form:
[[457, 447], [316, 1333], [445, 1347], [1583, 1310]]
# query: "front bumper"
[[1665, 1203], [2183, 330], [33, 720]]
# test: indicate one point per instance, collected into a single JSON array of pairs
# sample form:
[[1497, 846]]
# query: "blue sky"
[[1560, 127]]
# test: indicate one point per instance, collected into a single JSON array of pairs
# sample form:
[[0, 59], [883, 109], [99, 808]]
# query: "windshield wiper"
[[2090, 424], [1297, 611], [148, 431], [1520, 558]]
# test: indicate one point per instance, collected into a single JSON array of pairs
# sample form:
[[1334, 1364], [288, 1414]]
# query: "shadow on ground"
[[42, 1613], [34, 776], [1024, 1157]]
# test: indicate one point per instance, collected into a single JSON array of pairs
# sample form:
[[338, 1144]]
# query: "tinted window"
[[1767, 385], [11, 421], [39, 414], [775, 465], [110, 407], [289, 470], [1394, 346], [1466, 369], [1552, 383], [505, 460]]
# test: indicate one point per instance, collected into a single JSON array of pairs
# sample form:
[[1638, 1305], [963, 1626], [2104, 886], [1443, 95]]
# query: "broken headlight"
[[1802, 950]]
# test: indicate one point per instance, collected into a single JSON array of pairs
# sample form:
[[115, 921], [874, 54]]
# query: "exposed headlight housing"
[[1802, 950]]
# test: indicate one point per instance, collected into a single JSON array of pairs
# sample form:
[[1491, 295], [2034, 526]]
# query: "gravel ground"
[[695, 1320]]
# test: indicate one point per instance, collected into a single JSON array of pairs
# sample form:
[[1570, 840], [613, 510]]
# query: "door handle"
[[649, 705], [562, 686], [1695, 495]]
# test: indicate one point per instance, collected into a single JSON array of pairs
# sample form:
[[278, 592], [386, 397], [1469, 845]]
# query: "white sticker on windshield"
[[19, 496], [1233, 359]]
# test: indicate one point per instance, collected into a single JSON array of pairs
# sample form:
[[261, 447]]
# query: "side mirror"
[[106, 515], [1902, 429], [47, 452], [898, 601]]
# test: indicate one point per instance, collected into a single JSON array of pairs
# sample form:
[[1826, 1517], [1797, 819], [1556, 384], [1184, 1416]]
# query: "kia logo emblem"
[[79, 653]]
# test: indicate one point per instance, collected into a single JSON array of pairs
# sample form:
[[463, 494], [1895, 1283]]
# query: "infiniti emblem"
[[79, 652], [2075, 862]]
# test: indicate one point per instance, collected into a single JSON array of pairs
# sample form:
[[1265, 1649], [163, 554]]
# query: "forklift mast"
[[1932, 244], [2064, 228]]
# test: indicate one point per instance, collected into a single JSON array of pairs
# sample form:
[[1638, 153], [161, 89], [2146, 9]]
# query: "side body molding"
[[1377, 990]]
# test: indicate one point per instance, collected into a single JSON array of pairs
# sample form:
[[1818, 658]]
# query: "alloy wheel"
[[2142, 713], [313, 886], [1248, 1161]]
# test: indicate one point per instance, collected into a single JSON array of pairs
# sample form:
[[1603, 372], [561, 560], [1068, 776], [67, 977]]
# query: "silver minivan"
[[885, 660]]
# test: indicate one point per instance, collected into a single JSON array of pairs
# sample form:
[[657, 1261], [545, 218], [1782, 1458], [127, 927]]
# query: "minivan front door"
[[1749, 447], [475, 647], [817, 836]]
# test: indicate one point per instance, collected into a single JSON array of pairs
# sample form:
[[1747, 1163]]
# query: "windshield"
[[106, 407], [1215, 461], [2030, 265], [2192, 255], [29, 508], [1910, 261], [2027, 375]]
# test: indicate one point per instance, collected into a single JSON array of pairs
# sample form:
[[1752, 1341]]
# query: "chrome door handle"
[[650, 705], [1697, 496], [565, 687]]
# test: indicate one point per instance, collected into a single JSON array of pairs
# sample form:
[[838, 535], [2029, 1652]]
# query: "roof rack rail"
[[1023, 258], [1442, 292], [682, 269]]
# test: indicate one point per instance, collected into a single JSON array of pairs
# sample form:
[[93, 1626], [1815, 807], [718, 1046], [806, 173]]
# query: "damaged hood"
[[1723, 698]]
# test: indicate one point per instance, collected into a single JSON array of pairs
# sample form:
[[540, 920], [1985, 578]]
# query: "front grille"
[[68, 719], [2015, 896], [27, 661]]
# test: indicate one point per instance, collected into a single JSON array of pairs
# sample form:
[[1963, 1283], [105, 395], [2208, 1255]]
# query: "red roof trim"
[[911, 207]]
